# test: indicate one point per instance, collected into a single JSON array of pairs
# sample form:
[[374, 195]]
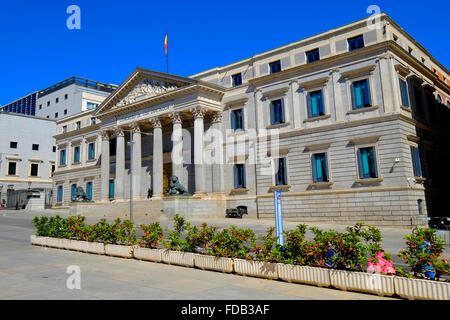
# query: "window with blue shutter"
[[76, 154], [89, 190], [73, 193], [367, 163], [60, 194], [315, 104], [312, 55], [276, 112], [91, 151], [281, 172], [361, 94], [416, 161], [237, 119], [111, 189], [404, 93], [62, 158], [239, 176], [320, 167], [355, 43]]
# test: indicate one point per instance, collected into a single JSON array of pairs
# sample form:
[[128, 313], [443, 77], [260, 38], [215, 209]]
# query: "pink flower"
[[379, 255]]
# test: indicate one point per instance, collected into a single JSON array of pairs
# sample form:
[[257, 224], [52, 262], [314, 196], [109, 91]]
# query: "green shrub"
[[232, 243], [153, 234], [122, 233], [295, 245], [424, 255], [270, 250], [175, 241]]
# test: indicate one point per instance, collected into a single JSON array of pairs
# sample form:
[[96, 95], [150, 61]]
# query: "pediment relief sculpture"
[[145, 89]]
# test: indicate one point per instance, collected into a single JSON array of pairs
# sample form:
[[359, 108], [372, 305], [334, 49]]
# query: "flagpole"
[[167, 55]]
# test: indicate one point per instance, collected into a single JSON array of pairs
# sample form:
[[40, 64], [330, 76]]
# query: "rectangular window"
[[417, 168], [91, 151], [56, 115], [34, 170], [89, 190], [12, 168], [361, 94], [76, 154], [73, 192], [62, 157], [35, 147], [315, 104], [13, 145], [281, 172], [418, 100], [66, 96], [60, 194], [64, 129], [65, 111], [312, 55], [356, 43], [53, 169], [93, 121], [78, 125], [239, 176], [404, 93], [367, 163], [276, 112], [57, 100], [111, 189], [237, 119], [320, 167], [54, 149], [275, 66], [48, 103], [236, 79], [91, 105]]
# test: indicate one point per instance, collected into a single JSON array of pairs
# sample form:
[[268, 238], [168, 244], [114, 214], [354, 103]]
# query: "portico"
[[166, 116]]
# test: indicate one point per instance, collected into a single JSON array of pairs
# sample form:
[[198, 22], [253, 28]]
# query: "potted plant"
[[120, 238], [424, 257], [146, 248], [177, 248], [301, 259]]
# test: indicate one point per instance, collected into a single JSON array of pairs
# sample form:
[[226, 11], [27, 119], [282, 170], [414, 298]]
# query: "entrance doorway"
[[167, 174]]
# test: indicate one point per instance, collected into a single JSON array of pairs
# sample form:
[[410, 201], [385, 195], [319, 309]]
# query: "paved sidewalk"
[[29, 272]]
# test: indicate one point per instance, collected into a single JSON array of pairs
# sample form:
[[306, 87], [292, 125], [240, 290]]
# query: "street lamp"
[[131, 143]]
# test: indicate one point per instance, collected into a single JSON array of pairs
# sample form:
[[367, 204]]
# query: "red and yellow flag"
[[166, 43]]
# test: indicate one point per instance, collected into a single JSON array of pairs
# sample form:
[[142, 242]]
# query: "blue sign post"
[[279, 218]]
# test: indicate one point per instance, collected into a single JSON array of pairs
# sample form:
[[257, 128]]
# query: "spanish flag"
[[165, 43]]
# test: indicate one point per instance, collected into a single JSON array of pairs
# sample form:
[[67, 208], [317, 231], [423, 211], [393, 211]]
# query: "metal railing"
[[80, 82]]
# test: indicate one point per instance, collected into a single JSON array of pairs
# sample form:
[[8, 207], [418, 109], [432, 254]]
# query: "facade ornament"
[[119, 132], [176, 117], [198, 112], [105, 135], [156, 122], [145, 89], [217, 117], [134, 126]]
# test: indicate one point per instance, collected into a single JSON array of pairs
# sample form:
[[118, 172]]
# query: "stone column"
[[177, 150], [137, 161], [218, 185], [199, 113], [120, 165], [157, 158], [105, 167]]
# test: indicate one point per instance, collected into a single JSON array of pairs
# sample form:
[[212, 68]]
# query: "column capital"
[[175, 117], [134, 126], [198, 112], [119, 132], [105, 135], [217, 117], [156, 122]]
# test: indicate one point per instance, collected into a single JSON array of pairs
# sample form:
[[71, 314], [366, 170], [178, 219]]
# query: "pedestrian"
[[149, 193]]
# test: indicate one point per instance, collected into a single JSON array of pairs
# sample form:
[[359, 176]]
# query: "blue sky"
[[38, 50]]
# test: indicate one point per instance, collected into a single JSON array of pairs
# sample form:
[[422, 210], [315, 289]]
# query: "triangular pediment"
[[142, 85]]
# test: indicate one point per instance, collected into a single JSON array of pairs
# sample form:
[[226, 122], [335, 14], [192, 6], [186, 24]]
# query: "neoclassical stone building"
[[350, 124]]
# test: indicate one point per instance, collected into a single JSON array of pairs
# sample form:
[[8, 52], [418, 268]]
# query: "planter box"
[[53, 243], [93, 247], [154, 255], [255, 268], [119, 251], [38, 241], [75, 245], [302, 274], [420, 289], [179, 258], [206, 262], [382, 285]]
